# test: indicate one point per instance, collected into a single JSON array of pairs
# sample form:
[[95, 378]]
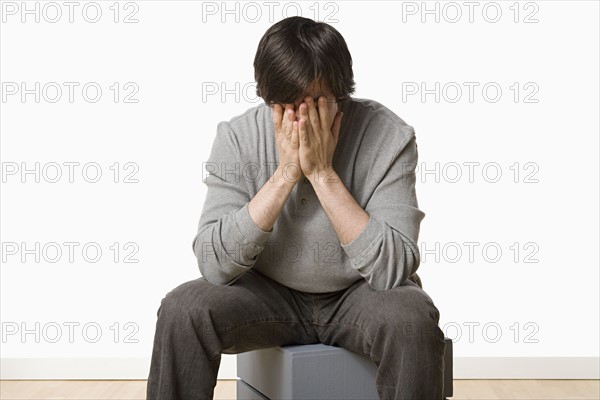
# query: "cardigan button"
[[303, 201]]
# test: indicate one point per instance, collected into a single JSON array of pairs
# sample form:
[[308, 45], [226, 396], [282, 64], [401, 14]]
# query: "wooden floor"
[[463, 389]]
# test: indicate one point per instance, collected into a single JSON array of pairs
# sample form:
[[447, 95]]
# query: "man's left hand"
[[318, 138]]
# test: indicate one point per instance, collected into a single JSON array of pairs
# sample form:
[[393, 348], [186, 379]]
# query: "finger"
[[337, 123], [313, 114], [303, 110], [295, 134], [277, 116], [289, 118], [289, 107], [323, 113], [303, 133], [285, 108]]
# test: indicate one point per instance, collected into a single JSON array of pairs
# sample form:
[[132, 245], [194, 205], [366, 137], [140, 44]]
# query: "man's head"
[[299, 57]]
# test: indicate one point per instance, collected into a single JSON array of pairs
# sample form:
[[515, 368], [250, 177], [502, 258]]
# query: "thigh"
[[361, 315], [251, 313]]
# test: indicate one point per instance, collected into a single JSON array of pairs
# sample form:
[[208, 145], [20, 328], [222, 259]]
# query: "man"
[[308, 232]]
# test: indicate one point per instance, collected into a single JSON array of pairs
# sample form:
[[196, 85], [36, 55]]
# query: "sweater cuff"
[[366, 240], [248, 231]]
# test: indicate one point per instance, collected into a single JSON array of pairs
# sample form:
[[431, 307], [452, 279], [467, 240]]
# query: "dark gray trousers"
[[198, 321]]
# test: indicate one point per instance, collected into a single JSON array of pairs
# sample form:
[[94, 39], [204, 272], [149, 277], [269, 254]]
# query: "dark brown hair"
[[296, 51]]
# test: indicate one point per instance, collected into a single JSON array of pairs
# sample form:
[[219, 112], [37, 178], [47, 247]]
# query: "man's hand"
[[318, 138], [286, 137]]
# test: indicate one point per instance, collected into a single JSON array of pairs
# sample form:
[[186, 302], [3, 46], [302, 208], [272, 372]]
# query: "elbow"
[[412, 260], [406, 264], [379, 288], [212, 275], [205, 256], [199, 243], [221, 274], [209, 267], [214, 262]]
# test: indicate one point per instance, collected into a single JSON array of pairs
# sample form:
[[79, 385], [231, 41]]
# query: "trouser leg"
[[198, 321], [398, 329]]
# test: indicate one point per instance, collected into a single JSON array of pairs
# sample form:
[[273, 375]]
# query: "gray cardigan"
[[375, 157]]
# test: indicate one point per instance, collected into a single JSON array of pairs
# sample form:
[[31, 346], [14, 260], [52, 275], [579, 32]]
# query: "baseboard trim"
[[137, 368], [526, 367]]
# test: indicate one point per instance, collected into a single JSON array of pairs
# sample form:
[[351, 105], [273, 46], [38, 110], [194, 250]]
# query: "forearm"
[[266, 205], [346, 215], [383, 256]]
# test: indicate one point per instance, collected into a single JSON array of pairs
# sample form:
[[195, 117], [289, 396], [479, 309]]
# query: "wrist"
[[287, 175], [323, 176]]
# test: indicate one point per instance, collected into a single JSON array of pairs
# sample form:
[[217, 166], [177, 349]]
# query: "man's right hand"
[[287, 139], [267, 203]]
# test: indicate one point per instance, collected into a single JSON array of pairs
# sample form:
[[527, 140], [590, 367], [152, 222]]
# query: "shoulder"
[[244, 130], [250, 120], [382, 124]]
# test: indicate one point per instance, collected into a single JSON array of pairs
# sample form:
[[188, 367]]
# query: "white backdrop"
[[109, 109]]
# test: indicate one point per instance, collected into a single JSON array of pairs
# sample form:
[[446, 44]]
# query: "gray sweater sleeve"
[[385, 253], [228, 241]]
